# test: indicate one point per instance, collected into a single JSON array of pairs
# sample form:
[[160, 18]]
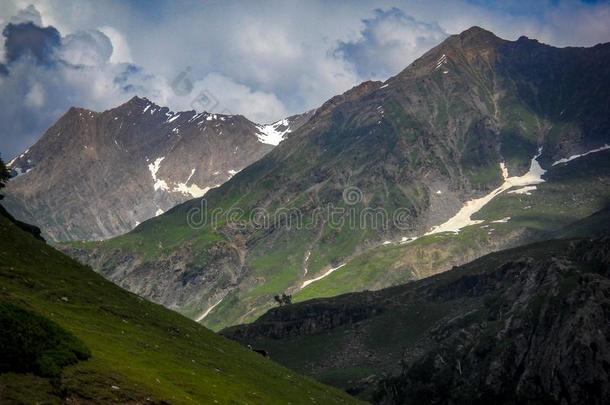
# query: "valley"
[[510, 324], [434, 152], [315, 202]]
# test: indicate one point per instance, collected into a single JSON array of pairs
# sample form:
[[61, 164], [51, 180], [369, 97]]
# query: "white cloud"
[[120, 51], [86, 48], [587, 25], [389, 42], [28, 14], [236, 98], [35, 97]]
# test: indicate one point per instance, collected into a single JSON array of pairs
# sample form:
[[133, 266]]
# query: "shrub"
[[31, 343]]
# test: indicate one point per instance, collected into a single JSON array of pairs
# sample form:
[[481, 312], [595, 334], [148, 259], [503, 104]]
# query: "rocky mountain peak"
[[136, 102], [130, 163], [476, 35], [78, 112]]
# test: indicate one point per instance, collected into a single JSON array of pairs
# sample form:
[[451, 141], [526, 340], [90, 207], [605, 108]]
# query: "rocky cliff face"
[[97, 175], [528, 325], [541, 337]]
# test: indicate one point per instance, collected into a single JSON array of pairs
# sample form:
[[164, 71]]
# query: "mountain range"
[[94, 175], [479, 145], [439, 237]]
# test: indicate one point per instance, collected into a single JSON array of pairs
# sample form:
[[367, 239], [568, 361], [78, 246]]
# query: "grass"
[[36, 344], [139, 351], [389, 265]]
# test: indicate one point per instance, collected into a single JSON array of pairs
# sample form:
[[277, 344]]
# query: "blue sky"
[[263, 59]]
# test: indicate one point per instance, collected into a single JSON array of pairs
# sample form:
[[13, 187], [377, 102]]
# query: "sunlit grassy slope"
[[572, 192], [140, 352]]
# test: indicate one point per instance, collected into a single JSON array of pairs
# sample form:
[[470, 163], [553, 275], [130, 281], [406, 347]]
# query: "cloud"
[[28, 14], [86, 48], [29, 40], [388, 42], [588, 25], [120, 47], [35, 97], [263, 59], [45, 74], [222, 94]]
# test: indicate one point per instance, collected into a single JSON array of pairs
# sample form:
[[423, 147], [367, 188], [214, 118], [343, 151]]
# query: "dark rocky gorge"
[[529, 325]]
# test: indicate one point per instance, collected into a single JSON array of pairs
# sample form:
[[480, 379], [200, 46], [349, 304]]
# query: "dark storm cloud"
[[45, 74], [30, 40]]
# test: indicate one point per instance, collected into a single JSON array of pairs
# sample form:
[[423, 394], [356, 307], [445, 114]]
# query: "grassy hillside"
[[572, 193], [106, 345]]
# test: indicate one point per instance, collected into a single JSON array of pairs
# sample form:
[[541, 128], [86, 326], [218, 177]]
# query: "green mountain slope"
[[76, 337], [560, 207], [525, 325], [452, 127], [595, 224]]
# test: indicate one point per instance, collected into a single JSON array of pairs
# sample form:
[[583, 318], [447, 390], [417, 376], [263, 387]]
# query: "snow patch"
[[306, 261], [270, 134], [501, 221], [463, 218], [10, 164], [194, 190], [566, 160], [441, 61], [194, 117], [405, 239], [174, 118], [523, 190], [154, 168], [207, 311], [327, 273], [191, 175]]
